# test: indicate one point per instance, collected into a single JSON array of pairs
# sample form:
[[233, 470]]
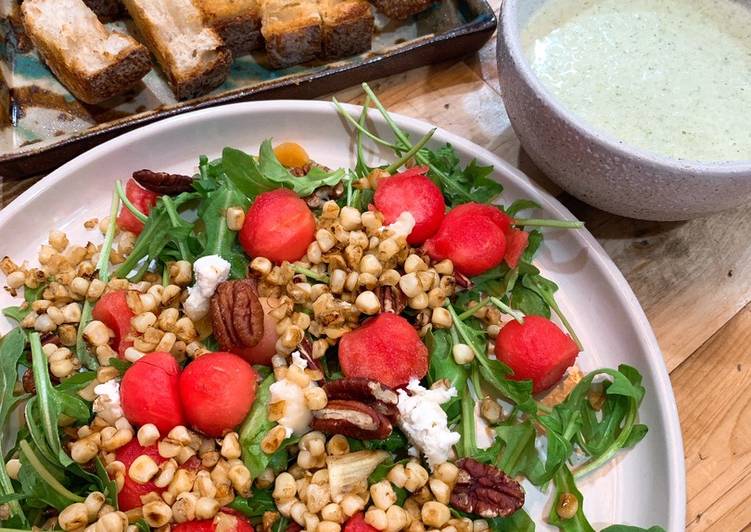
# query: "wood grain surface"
[[692, 278]]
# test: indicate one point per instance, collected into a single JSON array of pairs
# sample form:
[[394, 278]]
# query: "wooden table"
[[692, 278]]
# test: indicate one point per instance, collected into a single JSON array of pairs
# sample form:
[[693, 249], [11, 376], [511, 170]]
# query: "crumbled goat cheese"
[[425, 423], [297, 416], [209, 272], [107, 402], [403, 225], [484, 435]]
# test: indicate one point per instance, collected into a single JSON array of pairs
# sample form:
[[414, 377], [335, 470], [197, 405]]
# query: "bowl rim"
[[509, 33]]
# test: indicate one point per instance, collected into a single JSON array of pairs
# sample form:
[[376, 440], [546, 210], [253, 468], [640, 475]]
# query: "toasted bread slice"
[[191, 53], [238, 22], [402, 9], [105, 9], [292, 29], [347, 27], [93, 62]]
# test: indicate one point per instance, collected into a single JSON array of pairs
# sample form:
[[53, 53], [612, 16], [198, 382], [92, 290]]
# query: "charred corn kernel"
[[168, 318], [447, 472], [97, 333], [235, 218], [350, 282], [296, 471], [325, 239], [462, 353], [204, 485], [94, 502], [328, 526], [284, 486], [397, 518], [444, 267], [157, 513], [181, 272], [261, 265], [71, 313], [332, 512], [377, 518], [315, 398], [166, 473], [416, 526], [143, 469], [56, 315], [436, 298], [79, 286], [350, 218], [184, 454], [184, 508], [231, 446], [113, 441], [132, 354], [441, 318], [480, 525], [112, 522], [297, 375], [389, 278], [435, 514], [318, 496], [166, 343], [292, 337], [367, 280], [106, 373], [367, 303], [307, 461], [413, 264], [336, 281], [73, 517], [314, 253], [171, 296], [12, 467], [185, 330], [311, 521], [182, 481], [419, 302], [351, 504], [58, 240], [397, 475], [168, 449], [265, 479], [67, 334], [44, 324], [84, 450], [382, 494], [441, 491], [337, 445], [371, 221], [314, 442], [567, 505], [387, 249], [291, 155], [297, 512], [417, 476], [491, 410], [410, 285], [63, 363], [15, 280], [95, 290], [143, 321]]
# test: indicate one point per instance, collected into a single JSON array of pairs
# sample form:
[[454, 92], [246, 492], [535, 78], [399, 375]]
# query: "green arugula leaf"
[[519, 455], [519, 521], [256, 505], [42, 482], [473, 183], [443, 366], [529, 302], [521, 205], [254, 429], [546, 289], [16, 313], [564, 484]]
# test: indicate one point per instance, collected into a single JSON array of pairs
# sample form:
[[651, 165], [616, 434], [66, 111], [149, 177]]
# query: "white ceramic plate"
[[645, 486]]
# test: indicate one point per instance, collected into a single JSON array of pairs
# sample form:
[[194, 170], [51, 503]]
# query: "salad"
[[275, 345]]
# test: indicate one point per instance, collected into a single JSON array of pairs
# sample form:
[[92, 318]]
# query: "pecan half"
[[163, 183], [236, 314], [28, 381], [353, 419], [463, 281], [392, 299], [367, 391], [485, 490]]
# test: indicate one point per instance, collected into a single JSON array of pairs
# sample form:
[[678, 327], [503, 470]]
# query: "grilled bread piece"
[[402, 9], [93, 62], [347, 27], [105, 9], [191, 54], [292, 29], [238, 22]]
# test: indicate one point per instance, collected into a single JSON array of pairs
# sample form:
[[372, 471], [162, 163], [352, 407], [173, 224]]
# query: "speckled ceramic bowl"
[[596, 167]]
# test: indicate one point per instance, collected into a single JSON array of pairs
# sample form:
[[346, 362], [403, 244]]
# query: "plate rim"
[[633, 309]]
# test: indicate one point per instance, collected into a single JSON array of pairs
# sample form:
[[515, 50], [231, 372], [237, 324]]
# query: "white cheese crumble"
[[403, 225], [425, 423], [484, 434], [297, 416], [107, 403], [209, 272]]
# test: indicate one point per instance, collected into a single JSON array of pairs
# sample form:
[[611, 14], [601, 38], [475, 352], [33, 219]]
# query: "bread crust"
[[186, 84], [293, 47], [402, 9], [347, 29], [238, 22], [119, 74]]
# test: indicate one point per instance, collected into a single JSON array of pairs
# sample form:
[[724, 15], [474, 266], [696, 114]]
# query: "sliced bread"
[[347, 27], [292, 30], [238, 22]]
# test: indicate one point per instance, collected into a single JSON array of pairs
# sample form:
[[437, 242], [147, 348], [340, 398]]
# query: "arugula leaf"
[[254, 429], [521, 205], [529, 302], [220, 239], [16, 313], [110, 487], [42, 482], [461, 185], [534, 241], [564, 484], [546, 289], [11, 350], [519, 455], [443, 366], [519, 521], [256, 505]]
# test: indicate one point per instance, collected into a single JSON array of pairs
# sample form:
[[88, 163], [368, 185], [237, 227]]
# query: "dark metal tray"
[[44, 126]]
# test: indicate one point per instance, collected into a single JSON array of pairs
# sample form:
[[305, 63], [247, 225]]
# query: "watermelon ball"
[[278, 226], [217, 391], [357, 523], [473, 237], [129, 496], [112, 309], [230, 522], [386, 349], [149, 392], [142, 199], [415, 193], [537, 350]]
